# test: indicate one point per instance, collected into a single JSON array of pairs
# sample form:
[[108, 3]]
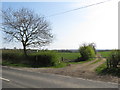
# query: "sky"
[[96, 24]]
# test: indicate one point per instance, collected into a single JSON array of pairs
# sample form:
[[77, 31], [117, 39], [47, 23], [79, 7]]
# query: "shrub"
[[114, 59], [40, 59], [87, 52], [12, 56], [43, 59]]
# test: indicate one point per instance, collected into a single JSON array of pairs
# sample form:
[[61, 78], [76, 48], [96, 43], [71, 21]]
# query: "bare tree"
[[27, 27]]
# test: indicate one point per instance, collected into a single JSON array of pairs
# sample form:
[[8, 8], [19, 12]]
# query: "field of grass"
[[68, 55], [105, 53]]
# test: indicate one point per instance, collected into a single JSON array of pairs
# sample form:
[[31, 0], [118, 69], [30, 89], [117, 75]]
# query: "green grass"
[[60, 65], [7, 63], [103, 70], [69, 55], [105, 53]]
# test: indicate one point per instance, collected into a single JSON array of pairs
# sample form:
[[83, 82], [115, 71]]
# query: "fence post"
[[107, 63], [62, 59]]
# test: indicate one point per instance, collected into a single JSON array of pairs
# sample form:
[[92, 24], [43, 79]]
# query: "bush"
[[40, 59], [87, 52], [114, 59], [103, 70], [12, 56], [44, 59]]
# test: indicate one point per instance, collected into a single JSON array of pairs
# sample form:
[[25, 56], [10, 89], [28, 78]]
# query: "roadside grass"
[[103, 70], [60, 65], [7, 63]]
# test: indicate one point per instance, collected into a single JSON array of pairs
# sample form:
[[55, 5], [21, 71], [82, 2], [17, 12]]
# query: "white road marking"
[[4, 79]]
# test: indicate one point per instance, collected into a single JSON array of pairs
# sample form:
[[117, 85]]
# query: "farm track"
[[87, 66]]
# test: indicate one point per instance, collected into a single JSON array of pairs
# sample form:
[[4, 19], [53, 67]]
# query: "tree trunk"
[[24, 49]]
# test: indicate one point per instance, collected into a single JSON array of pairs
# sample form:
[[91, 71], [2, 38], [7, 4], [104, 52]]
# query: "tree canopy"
[[27, 27]]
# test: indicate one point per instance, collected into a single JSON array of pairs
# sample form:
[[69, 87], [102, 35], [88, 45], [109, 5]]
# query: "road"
[[25, 79]]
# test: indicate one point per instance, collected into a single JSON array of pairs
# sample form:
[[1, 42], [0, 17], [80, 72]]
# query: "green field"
[[105, 53], [65, 55], [68, 55]]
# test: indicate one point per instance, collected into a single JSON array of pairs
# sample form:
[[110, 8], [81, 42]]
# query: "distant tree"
[[26, 27]]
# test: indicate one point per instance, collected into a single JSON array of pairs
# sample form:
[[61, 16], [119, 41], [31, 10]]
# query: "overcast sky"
[[98, 24]]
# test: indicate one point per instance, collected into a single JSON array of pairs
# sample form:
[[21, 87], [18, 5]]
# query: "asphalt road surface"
[[13, 78]]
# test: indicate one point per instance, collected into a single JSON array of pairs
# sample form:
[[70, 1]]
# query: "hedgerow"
[[40, 59]]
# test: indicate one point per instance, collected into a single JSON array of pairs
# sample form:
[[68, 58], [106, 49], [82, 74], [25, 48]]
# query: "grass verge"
[[103, 70], [7, 63]]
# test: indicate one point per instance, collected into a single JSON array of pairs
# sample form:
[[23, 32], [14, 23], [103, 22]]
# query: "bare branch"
[[27, 27]]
